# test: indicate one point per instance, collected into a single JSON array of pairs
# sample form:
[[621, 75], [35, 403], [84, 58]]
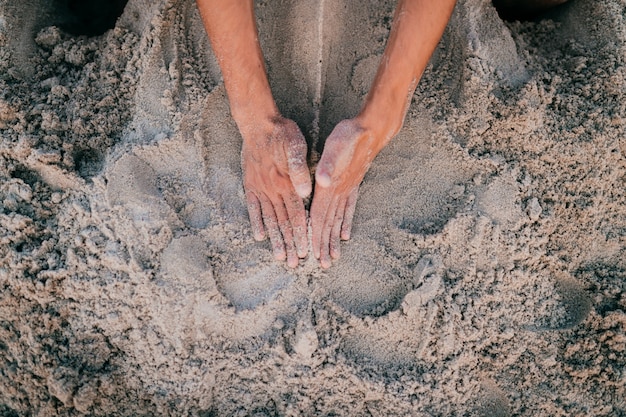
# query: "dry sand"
[[485, 276]]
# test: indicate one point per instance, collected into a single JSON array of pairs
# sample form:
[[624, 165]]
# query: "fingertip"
[[325, 259], [280, 255], [323, 179], [301, 244], [304, 189], [345, 235], [325, 263], [258, 235], [293, 262]]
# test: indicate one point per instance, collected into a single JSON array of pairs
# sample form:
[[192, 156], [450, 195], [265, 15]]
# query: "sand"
[[486, 274]]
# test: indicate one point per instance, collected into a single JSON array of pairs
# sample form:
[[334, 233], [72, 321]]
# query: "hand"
[[348, 153], [276, 178], [416, 29]]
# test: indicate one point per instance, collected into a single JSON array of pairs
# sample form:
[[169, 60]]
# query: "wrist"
[[255, 120], [386, 104], [382, 125]]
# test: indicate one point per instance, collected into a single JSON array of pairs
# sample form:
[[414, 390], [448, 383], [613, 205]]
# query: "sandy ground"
[[485, 276]]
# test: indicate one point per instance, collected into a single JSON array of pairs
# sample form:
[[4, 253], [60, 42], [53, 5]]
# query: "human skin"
[[275, 174], [354, 143], [276, 177]]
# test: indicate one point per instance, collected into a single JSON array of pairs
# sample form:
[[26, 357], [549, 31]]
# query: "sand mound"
[[486, 272]]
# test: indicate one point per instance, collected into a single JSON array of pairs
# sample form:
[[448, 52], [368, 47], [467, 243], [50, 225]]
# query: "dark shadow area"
[[5, 411], [88, 162], [28, 176], [433, 222], [89, 18], [608, 283], [523, 10], [576, 301], [493, 404]]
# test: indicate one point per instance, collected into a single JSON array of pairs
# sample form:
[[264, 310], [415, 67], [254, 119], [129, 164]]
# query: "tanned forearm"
[[231, 27], [416, 30]]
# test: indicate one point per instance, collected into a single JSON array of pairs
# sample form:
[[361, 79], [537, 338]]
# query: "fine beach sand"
[[486, 274]]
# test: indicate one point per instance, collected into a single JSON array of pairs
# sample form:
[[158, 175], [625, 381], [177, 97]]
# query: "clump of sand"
[[485, 275]]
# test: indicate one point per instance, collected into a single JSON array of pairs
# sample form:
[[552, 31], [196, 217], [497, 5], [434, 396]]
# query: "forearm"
[[231, 27], [416, 29]]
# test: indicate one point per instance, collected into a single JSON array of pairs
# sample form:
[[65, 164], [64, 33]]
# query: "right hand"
[[276, 178]]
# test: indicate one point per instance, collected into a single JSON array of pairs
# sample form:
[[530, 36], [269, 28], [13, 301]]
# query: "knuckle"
[[285, 227]]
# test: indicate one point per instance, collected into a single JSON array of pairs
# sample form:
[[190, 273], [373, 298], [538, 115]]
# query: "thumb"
[[298, 168], [338, 152], [324, 170]]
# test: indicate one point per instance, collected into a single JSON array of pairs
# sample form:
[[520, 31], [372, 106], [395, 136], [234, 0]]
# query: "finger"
[[297, 217], [256, 221], [298, 168], [271, 224], [285, 228], [335, 249], [346, 227], [319, 207], [325, 259]]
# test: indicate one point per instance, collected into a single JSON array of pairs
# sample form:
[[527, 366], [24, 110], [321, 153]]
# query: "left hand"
[[347, 155], [276, 179]]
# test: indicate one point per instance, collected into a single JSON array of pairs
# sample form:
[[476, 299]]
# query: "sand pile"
[[486, 274]]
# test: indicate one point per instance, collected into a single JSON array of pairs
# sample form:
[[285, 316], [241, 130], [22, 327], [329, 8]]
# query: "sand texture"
[[486, 274]]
